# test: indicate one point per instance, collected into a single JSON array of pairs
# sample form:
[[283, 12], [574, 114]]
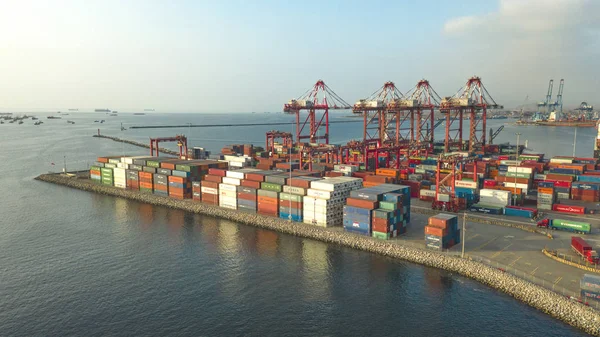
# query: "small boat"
[[102, 121], [70, 122], [38, 123], [96, 121], [1, 122], [54, 117], [34, 118], [20, 122]]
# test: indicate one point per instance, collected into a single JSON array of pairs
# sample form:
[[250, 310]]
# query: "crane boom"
[[549, 97], [559, 97]]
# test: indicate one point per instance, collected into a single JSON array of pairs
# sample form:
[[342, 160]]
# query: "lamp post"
[[515, 187]]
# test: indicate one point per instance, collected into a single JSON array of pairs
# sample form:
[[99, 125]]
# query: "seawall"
[[547, 301]]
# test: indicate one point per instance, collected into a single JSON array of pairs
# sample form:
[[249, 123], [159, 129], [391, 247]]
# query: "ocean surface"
[[73, 263]]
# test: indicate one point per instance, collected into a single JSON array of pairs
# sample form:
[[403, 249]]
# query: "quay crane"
[[317, 101], [471, 99]]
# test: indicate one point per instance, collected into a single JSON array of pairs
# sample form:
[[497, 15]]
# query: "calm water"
[[75, 263]]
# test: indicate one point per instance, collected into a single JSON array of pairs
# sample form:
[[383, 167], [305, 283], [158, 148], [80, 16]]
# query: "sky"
[[242, 56]]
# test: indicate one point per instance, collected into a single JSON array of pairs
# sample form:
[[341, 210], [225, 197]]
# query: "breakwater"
[[547, 301], [134, 143], [225, 125]]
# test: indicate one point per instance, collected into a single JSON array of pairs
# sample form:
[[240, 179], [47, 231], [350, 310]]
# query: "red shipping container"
[[217, 172], [255, 177], [247, 196], [382, 228], [210, 184], [559, 177], [568, 209], [367, 204], [267, 201], [268, 208], [430, 230], [250, 183], [294, 204], [426, 198], [436, 222], [213, 178], [210, 198], [489, 183]]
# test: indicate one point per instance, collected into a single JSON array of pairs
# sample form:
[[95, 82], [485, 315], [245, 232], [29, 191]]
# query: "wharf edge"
[[545, 300]]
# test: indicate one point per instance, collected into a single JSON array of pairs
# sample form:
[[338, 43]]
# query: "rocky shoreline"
[[545, 300]]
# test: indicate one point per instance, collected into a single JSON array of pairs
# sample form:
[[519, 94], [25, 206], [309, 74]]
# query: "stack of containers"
[[325, 199], [161, 184], [120, 176], [197, 191], [96, 174], [590, 287], [133, 180], [238, 161], [382, 211], [107, 176], [228, 189], [247, 192], [268, 194], [210, 185], [585, 191], [466, 189], [442, 232], [291, 200], [146, 181], [179, 187], [545, 196], [492, 201], [347, 170]]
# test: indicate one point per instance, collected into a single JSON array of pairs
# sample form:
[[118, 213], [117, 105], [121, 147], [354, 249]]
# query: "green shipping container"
[[106, 171], [153, 163], [383, 213], [381, 236], [572, 225], [518, 175], [290, 197], [271, 187], [95, 168], [388, 205], [108, 165]]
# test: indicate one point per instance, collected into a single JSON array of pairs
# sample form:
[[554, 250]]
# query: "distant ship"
[[139, 113], [148, 109], [53, 117], [102, 110], [73, 109]]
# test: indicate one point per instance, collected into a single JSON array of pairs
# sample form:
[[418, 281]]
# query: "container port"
[[370, 188]]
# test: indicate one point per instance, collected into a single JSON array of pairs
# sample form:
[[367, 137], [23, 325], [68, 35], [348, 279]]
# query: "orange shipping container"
[[367, 204], [439, 223], [545, 190], [268, 201], [250, 183], [430, 230], [175, 179]]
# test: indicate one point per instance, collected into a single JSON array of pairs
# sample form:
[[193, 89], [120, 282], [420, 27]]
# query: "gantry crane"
[[445, 196], [558, 105], [547, 104], [472, 98], [420, 103], [379, 131], [317, 101], [181, 143], [274, 135]]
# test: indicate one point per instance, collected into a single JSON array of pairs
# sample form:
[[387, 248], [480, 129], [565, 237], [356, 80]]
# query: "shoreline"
[[571, 312]]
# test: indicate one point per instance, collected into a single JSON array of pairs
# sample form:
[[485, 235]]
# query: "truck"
[[566, 225], [584, 250]]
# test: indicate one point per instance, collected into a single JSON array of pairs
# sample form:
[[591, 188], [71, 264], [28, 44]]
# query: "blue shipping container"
[[518, 212], [586, 186], [496, 211], [546, 184], [295, 217], [589, 179]]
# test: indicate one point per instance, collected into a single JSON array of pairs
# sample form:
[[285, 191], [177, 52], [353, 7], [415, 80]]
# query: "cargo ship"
[[102, 110]]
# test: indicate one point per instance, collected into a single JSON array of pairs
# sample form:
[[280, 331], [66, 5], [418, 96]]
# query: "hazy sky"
[[219, 56]]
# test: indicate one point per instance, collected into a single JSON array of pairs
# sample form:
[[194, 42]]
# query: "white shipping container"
[[228, 202], [510, 162], [490, 192], [227, 187], [294, 190], [209, 190], [561, 160], [524, 187], [120, 185], [465, 184], [443, 197], [427, 193], [228, 194], [232, 181], [236, 164], [518, 169], [345, 168], [493, 200], [239, 174], [539, 177], [237, 159]]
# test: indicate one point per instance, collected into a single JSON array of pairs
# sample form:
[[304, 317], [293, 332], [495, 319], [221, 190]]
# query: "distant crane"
[[547, 104], [559, 97]]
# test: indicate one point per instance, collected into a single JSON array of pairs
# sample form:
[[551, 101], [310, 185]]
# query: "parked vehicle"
[[584, 250], [566, 225]]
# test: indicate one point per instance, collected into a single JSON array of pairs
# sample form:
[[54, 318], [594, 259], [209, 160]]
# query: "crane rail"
[[224, 125]]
